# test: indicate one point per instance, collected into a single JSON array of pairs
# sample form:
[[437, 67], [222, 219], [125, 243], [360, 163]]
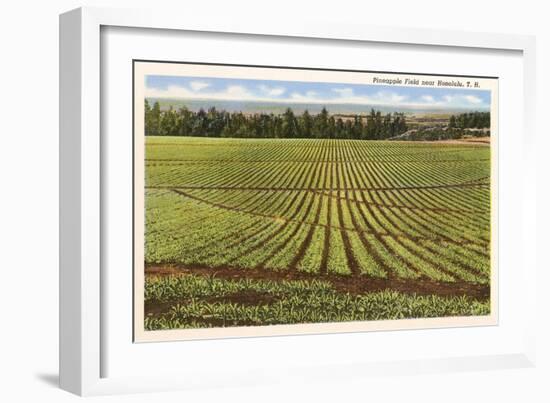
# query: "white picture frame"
[[81, 173]]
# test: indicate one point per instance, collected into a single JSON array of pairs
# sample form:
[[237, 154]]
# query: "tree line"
[[470, 120], [220, 123], [442, 133], [471, 124]]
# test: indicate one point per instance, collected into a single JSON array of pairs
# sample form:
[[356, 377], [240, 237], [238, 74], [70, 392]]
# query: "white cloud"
[[462, 100], [347, 96], [272, 91], [172, 91], [344, 92], [473, 99], [389, 98], [200, 90], [236, 92], [297, 96], [308, 97], [198, 85], [231, 93]]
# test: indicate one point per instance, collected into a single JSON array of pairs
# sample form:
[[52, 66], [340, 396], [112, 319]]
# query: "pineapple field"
[[244, 232]]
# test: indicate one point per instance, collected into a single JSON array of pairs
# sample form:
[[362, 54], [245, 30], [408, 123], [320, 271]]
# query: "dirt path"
[[345, 283], [484, 141]]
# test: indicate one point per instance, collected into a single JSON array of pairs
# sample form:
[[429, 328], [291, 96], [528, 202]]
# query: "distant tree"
[[168, 123], [348, 129], [152, 120], [331, 128], [357, 128], [289, 129], [306, 125], [339, 131], [387, 127], [470, 120], [370, 129], [215, 122], [321, 124], [185, 122], [378, 125], [452, 122], [219, 123], [148, 120]]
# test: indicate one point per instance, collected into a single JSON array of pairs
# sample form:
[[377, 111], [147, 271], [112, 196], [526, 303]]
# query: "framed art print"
[[270, 200], [243, 202]]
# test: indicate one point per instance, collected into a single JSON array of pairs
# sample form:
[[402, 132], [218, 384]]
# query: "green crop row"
[[286, 302], [374, 208]]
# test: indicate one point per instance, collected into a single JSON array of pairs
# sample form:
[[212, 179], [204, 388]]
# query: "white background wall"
[[29, 201]]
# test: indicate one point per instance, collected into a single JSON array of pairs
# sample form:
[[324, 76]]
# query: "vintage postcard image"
[[280, 201]]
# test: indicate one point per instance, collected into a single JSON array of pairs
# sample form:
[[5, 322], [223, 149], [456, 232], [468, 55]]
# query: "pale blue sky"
[[225, 89]]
